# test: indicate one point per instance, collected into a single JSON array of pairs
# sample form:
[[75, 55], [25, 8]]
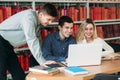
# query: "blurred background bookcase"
[[105, 13]]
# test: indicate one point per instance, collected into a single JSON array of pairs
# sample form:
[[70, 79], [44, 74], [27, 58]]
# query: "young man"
[[17, 30], [55, 45]]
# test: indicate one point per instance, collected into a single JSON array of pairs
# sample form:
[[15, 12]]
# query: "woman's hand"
[[111, 56]]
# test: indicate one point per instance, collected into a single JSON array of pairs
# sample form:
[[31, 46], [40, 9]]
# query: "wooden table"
[[110, 66]]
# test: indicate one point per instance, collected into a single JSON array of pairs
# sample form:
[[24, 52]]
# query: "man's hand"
[[48, 62]]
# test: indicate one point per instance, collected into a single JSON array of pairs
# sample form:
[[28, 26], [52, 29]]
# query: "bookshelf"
[[68, 3], [73, 3], [65, 4]]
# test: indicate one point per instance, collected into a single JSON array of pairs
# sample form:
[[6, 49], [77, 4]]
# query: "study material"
[[56, 65], [84, 54], [45, 70], [75, 70]]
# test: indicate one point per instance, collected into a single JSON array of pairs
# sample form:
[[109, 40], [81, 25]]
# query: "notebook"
[[84, 54]]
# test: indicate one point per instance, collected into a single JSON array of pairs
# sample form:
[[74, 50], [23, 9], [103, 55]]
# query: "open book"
[[111, 56]]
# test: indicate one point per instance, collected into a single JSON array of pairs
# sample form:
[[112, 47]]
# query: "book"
[[75, 70], [44, 70]]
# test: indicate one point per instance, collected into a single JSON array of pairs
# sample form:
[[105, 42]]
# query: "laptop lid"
[[84, 54]]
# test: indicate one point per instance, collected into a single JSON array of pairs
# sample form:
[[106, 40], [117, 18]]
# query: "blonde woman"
[[87, 35]]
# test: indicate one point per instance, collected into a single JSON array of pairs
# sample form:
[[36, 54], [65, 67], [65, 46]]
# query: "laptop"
[[84, 54]]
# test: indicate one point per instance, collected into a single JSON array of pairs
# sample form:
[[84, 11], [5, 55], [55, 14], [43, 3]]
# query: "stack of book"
[[44, 70]]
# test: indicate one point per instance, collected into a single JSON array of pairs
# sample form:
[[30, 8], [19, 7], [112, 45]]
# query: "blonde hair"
[[80, 32]]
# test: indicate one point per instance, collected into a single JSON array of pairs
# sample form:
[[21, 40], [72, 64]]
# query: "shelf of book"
[[97, 22], [24, 49], [78, 10], [113, 38]]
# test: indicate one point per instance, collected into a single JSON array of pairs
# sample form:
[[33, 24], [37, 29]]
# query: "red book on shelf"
[[100, 31], [102, 13], [62, 12], [15, 9], [1, 15], [75, 29], [104, 28], [116, 29], [112, 12], [44, 33], [81, 13], [76, 14], [92, 12], [99, 15], [59, 14], [110, 31], [38, 8], [106, 11], [65, 12], [84, 12], [6, 12], [71, 12], [118, 13], [95, 13]]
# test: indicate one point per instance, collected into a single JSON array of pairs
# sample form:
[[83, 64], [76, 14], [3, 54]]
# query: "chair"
[[106, 77]]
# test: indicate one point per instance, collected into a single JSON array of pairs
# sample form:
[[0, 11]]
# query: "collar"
[[57, 35]]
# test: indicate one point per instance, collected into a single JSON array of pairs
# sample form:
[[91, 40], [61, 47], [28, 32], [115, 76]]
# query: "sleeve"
[[29, 25], [107, 48]]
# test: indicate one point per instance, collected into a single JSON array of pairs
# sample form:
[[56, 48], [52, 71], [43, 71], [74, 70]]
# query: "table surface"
[[108, 66]]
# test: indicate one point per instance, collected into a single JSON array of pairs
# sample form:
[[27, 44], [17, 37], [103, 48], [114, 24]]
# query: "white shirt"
[[21, 28], [108, 49]]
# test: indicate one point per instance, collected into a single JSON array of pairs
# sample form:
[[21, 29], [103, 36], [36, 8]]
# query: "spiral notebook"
[[84, 54]]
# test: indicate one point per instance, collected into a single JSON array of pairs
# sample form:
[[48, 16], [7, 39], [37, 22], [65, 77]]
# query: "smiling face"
[[45, 19], [89, 31], [66, 30]]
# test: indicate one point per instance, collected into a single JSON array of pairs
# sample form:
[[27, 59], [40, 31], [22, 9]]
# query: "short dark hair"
[[64, 19], [49, 9]]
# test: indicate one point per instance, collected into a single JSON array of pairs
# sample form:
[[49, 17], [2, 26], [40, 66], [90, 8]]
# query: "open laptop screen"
[[84, 54]]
